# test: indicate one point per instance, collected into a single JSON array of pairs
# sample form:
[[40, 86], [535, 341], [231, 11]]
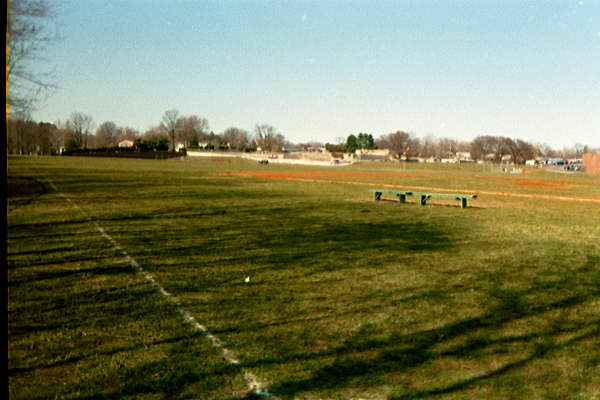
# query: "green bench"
[[401, 194], [424, 196]]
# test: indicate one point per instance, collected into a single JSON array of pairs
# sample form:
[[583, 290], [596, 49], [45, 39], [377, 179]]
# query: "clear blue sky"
[[319, 70]]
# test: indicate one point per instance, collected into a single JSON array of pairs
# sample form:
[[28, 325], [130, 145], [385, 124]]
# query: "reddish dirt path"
[[320, 176], [544, 185], [548, 182]]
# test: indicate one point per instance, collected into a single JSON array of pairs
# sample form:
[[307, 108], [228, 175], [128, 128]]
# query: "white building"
[[126, 143]]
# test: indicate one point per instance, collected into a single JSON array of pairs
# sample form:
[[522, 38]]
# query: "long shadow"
[[88, 308], [74, 258], [307, 319], [21, 191], [40, 251], [67, 273], [158, 378], [95, 353], [302, 250], [196, 365], [400, 352], [537, 353], [45, 227]]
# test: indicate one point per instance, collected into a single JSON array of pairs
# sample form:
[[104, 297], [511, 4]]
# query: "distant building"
[[126, 143], [591, 163], [373, 155], [463, 155]]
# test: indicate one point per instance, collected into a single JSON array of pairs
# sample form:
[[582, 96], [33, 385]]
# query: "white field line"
[[255, 385]]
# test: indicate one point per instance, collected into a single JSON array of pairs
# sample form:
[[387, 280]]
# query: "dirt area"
[[556, 182], [542, 185], [321, 176]]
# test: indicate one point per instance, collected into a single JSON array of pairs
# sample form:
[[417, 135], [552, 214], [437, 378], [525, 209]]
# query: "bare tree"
[[56, 137], [21, 136], [428, 145], [526, 151], [236, 138], [446, 147], [126, 133], [106, 134], [267, 138], [154, 132], [414, 146], [80, 125], [26, 39], [29, 137], [397, 142], [193, 127], [487, 146], [170, 123]]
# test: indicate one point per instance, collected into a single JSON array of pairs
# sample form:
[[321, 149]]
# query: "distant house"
[[126, 143], [373, 155], [463, 155]]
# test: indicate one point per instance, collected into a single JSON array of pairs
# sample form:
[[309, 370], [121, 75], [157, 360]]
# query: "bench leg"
[[402, 198], [377, 196], [463, 203], [423, 200]]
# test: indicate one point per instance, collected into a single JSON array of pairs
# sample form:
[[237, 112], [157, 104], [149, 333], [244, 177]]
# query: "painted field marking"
[[255, 385]]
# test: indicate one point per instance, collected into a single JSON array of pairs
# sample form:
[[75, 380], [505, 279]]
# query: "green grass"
[[348, 298]]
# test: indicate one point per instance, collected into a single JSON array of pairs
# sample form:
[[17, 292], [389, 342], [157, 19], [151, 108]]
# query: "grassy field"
[[316, 289]]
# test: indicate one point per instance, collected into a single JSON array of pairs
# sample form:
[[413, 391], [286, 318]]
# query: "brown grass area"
[[328, 174]]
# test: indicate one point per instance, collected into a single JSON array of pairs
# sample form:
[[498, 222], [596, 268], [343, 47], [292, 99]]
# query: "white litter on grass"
[[254, 384]]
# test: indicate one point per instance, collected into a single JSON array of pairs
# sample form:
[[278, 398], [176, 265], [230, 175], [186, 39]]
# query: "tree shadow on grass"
[[73, 331], [185, 370], [356, 366], [21, 191], [301, 250]]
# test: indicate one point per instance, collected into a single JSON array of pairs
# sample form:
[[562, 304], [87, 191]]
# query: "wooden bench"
[[424, 196]]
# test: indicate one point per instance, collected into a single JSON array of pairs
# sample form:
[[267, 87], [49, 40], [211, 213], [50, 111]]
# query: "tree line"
[[79, 133], [484, 147]]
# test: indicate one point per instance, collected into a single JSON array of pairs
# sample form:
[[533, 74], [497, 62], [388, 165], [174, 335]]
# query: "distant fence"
[[161, 155], [591, 163]]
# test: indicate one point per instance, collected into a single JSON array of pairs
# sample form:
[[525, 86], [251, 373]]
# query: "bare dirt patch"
[[321, 176], [543, 185]]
